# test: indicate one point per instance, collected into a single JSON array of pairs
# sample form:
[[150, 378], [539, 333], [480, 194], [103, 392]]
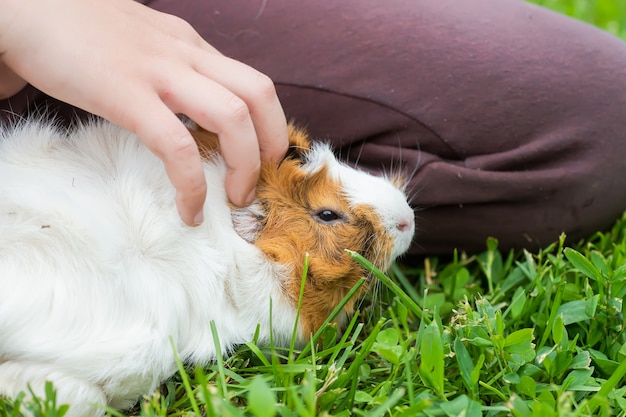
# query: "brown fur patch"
[[208, 142], [292, 199]]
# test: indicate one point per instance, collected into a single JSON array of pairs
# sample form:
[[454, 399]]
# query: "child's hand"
[[138, 68]]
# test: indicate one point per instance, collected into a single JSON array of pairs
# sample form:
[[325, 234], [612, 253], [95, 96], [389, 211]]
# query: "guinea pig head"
[[310, 203]]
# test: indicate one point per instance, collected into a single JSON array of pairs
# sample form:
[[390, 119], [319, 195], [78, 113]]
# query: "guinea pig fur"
[[98, 273]]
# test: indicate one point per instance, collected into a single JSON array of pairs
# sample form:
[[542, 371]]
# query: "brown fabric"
[[511, 117]]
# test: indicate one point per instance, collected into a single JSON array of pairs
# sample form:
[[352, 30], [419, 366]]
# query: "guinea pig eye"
[[327, 216]]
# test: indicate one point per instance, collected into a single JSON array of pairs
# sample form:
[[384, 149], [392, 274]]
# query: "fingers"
[[163, 133], [234, 101], [240, 105], [239, 147], [258, 92], [218, 110]]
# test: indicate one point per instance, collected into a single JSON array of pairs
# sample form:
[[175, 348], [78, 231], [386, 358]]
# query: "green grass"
[[498, 334], [609, 15]]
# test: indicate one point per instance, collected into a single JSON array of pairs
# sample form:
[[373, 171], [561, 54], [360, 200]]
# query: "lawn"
[[498, 334]]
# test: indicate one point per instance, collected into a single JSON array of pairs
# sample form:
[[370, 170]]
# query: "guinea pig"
[[99, 276]]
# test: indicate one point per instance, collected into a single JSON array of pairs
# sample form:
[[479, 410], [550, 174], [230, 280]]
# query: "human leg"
[[511, 115]]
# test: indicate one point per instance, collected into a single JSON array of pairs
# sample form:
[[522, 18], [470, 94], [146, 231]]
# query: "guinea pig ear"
[[248, 221], [299, 144]]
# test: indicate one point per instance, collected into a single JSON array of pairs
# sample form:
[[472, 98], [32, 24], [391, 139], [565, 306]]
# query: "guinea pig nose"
[[405, 225]]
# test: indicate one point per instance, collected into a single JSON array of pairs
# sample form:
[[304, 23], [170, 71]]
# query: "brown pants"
[[511, 119]]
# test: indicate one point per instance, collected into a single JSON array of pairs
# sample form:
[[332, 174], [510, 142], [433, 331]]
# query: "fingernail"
[[198, 219]]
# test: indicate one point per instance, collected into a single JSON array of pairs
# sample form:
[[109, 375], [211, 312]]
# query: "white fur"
[[97, 271]]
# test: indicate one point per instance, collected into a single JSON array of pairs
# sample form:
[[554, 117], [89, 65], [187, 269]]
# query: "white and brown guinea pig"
[[98, 272]]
